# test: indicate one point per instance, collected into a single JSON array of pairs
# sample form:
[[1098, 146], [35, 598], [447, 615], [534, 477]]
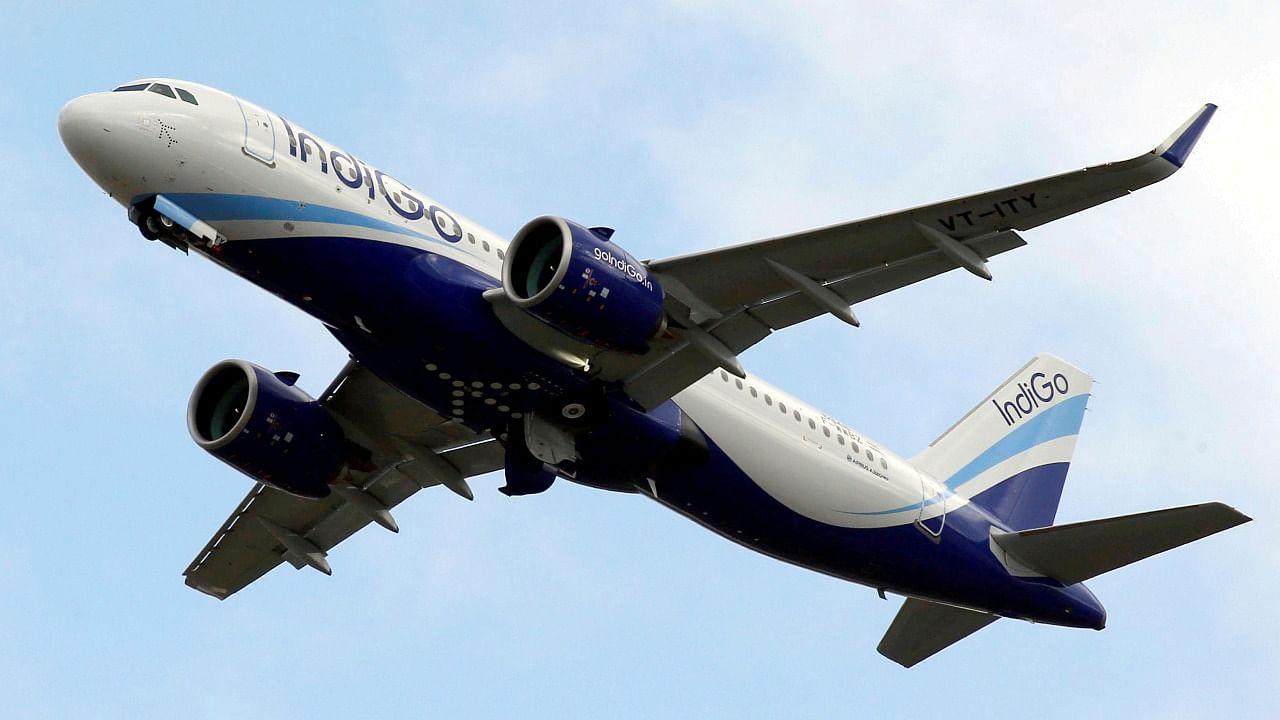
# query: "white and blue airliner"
[[558, 355]]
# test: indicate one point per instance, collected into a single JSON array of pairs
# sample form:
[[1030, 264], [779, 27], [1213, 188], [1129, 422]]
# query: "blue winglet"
[[1178, 146]]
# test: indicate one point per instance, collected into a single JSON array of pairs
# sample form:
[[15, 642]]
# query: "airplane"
[[559, 355]]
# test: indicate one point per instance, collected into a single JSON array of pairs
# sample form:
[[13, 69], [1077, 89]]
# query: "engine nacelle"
[[260, 424], [575, 280]]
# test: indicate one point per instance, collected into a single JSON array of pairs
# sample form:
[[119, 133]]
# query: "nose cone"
[[91, 128], [80, 126]]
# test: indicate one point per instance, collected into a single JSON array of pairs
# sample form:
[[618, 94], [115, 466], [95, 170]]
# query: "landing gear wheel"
[[149, 227], [573, 411]]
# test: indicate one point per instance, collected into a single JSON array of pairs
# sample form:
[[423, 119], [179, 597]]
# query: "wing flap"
[[923, 628]]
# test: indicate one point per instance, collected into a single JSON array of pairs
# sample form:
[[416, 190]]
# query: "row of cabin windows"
[[485, 244], [160, 89], [826, 431]]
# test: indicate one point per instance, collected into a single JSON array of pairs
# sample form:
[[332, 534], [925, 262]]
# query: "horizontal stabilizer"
[[923, 628], [1076, 552]]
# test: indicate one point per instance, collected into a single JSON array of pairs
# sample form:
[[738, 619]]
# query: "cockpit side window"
[[186, 96], [128, 88], [162, 89]]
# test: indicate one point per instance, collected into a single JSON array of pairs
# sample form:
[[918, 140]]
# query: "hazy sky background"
[[684, 125]]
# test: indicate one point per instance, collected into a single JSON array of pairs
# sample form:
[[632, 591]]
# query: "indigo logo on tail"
[[1039, 390]]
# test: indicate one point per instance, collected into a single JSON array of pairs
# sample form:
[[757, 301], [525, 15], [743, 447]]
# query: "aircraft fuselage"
[[398, 278]]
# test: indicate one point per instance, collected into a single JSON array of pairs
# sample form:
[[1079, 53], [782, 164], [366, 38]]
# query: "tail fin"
[[1010, 454]]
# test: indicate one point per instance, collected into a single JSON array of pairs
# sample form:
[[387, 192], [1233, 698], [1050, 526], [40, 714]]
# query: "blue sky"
[[685, 125]]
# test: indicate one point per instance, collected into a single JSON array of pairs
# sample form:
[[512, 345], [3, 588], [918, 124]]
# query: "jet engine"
[[574, 279], [260, 424]]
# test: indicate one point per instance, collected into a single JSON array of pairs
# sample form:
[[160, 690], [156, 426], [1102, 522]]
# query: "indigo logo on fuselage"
[[356, 174], [1040, 389]]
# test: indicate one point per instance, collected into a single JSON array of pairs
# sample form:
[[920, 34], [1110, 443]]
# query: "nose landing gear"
[[145, 219], [158, 218], [155, 226]]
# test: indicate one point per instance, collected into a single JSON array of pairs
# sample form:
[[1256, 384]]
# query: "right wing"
[[723, 301], [412, 448]]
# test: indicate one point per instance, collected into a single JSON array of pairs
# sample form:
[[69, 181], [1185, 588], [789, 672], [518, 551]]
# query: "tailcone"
[[1083, 609]]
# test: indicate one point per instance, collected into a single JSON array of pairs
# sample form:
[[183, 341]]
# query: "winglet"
[[1177, 147]]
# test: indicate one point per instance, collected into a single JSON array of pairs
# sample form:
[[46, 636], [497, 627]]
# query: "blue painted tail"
[[1010, 454]]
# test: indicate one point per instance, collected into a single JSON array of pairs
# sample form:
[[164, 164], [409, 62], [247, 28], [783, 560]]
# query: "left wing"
[[724, 301], [412, 448]]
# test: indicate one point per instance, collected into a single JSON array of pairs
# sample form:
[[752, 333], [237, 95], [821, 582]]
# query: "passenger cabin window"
[[130, 88], [813, 425], [883, 465], [753, 393], [471, 238], [501, 255], [768, 400], [186, 96], [856, 449], [161, 89], [738, 383], [840, 439], [826, 431], [724, 376], [783, 407], [796, 414], [870, 457]]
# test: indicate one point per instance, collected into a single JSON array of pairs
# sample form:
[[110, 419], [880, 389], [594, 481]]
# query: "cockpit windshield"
[[160, 89]]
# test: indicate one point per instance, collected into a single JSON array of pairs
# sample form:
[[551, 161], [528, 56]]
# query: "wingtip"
[[898, 660], [1234, 516], [1178, 146]]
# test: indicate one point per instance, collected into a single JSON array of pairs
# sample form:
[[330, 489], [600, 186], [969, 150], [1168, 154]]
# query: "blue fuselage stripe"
[[212, 207]]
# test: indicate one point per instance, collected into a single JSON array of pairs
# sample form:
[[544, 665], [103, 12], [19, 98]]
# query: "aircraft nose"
[[94, 129], [76, 127]]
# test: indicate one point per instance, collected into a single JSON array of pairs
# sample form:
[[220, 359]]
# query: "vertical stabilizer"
[[1010, 454]]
